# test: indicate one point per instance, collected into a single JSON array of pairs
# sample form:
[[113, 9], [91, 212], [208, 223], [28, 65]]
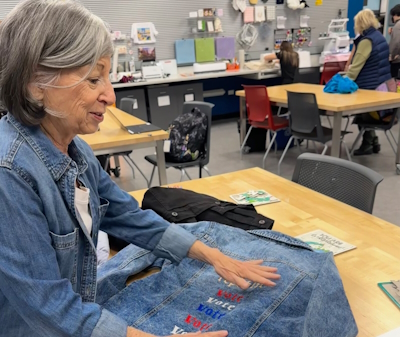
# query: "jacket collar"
[[368, 31], [56, 162]]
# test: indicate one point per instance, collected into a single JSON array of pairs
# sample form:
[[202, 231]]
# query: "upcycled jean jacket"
[[307, 301], [48, 265]]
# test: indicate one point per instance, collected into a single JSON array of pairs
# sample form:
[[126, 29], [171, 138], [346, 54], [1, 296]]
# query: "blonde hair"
[[364, 20]]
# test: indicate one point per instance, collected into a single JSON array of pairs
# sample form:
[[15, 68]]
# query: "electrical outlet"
[[231, 92]]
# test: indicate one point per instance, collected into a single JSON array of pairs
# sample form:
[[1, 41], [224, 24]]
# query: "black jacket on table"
[[183, 206]]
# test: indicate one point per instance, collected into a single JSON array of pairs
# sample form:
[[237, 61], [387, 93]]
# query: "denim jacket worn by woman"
[[47, 257], [308, 300]]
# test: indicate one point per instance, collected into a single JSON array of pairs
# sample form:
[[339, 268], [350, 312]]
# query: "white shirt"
[[82, 207], [144, 33]]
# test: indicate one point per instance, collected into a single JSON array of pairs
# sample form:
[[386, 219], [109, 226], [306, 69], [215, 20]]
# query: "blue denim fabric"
[[48, 272], [307, 301]]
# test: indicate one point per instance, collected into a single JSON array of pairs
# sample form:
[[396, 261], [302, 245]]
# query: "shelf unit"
[[203, 18], [205, 33], [206, 20]]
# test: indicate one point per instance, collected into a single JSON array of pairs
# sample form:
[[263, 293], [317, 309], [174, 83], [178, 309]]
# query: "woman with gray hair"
[[54, 83]]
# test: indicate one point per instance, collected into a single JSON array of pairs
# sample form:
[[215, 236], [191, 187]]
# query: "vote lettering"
[[252, 285], [178, 331], [229, 296], [225, 305], [197, 323], [210, 312]]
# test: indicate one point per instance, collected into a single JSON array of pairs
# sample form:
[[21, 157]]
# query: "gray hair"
[[40, 38]]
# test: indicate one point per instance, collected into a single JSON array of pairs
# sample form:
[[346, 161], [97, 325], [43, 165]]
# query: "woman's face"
[[83, 106]]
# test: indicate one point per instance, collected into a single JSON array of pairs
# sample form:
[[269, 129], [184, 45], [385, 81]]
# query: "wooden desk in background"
[[376, 258], [112, 139], [338, 105]]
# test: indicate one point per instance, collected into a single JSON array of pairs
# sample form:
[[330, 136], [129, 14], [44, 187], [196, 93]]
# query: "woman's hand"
[[137, 333], [221, 333], [237, 272], [234, 271]]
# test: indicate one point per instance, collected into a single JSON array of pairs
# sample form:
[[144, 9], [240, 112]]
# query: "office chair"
[[331, 69], [307, 75], [305, 123], [337, 178], [387, 128], [260, 115]]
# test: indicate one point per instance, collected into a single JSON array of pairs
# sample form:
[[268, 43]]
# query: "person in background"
[[55, 60], [370, 67], [353, 50], [394, 44], [288, 59]]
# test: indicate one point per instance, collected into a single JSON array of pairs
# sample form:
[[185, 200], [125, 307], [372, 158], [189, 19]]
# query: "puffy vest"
[[377, 68]]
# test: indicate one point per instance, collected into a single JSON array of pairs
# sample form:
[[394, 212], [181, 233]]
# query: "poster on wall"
[[144, 33], [147, 53]]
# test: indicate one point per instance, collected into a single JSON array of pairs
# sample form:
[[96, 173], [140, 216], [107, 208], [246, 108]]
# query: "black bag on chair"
[[183, 206], [187, 134]]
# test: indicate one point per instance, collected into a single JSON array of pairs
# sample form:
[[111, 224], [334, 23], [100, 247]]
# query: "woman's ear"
[[36, 92]]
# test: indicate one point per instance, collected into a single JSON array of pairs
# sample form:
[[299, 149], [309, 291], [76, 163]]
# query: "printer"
[[152, 70]]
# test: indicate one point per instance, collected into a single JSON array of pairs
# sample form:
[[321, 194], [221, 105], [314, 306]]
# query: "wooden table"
[[112, 139], [376, 258], [338, 105]]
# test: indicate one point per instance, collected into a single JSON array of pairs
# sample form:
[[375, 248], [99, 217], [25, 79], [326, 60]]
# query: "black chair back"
[[343, 180], [304, 115], [307, 75]]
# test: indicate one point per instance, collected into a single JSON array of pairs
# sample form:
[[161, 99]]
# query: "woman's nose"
[[108, 95]]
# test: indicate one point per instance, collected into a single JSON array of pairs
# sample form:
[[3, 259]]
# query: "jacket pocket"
[[66, 248], [280, 237], [104, 203]]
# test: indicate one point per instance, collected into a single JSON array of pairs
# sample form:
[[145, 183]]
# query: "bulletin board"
[[171, 19]]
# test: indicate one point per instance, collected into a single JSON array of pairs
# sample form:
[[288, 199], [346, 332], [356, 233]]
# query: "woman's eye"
[[94, 80]]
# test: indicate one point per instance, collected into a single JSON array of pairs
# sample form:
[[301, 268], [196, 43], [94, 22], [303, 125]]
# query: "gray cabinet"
[[163, 105], [189, 92], [138, 108]]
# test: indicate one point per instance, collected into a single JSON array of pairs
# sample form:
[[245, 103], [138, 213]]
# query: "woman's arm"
[[137, 333], [29, 272], [270, 57], [348, 63], [132, 332], [361, 56], [125, 220]]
